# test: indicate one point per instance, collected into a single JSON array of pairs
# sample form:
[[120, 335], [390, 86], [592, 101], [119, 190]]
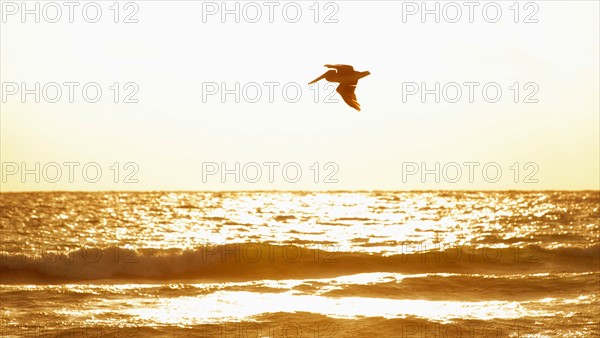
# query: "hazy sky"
[[173, 57]]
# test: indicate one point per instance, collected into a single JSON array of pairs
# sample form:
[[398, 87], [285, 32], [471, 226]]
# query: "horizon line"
[[299, 191]]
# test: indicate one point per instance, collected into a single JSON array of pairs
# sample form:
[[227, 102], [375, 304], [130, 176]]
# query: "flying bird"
[[347, 77]]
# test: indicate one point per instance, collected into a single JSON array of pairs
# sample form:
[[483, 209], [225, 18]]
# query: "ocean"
[[300, 264]]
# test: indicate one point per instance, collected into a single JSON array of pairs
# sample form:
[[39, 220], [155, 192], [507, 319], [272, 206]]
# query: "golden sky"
[[173, 137]]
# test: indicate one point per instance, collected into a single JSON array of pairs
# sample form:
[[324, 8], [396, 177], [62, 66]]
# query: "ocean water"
[[300, 264]]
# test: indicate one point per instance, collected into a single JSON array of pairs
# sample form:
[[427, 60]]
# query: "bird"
[[347, 77]]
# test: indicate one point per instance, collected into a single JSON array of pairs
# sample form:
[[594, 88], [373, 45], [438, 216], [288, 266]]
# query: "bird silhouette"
[[347, 77]]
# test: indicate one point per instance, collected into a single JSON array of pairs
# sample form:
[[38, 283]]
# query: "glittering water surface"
[[305, 264]]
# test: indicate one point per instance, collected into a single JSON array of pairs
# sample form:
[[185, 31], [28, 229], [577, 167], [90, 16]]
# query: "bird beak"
[[317, 79]]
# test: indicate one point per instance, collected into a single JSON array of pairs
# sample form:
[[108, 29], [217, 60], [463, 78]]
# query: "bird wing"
[[347, 93], [341, 68]]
